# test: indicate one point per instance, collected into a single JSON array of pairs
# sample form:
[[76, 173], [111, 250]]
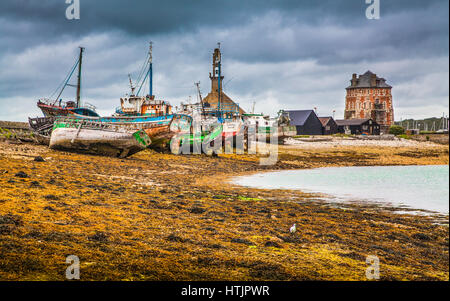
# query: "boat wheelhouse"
[[143, 106]]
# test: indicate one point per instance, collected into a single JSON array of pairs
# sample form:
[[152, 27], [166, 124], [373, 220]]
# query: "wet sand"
[[158, 216]]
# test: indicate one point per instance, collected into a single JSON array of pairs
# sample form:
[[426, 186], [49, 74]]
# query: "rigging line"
[[145, 78], [141, 76], [62, 83], [64, 80], [143, 69], [65, 84], [228, 82]]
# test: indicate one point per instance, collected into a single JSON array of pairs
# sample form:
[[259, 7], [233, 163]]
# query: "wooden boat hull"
[[42, 128], [42, 139], [153, 126], [101, 141], [50, 110], [53, 111], [263, 134], [162, 135], [191, 141], [286, 132]]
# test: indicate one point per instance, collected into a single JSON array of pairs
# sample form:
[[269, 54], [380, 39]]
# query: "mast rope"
[[64, 83], [142, 84], [141, 73]]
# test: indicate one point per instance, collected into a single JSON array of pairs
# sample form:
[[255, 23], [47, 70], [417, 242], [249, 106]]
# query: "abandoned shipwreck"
[[143, 121]]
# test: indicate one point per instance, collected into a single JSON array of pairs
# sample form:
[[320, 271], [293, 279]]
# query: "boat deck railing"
[[50, 102], [90, 106]]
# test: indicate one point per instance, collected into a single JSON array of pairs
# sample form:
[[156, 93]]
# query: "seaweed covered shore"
[[159, 216]]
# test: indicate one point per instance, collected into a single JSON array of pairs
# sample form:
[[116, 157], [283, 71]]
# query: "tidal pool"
[[417, 187]]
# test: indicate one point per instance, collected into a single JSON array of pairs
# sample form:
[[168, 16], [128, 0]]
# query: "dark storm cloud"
[[280, 53], [159, 17], [142, 17], [269, 31]]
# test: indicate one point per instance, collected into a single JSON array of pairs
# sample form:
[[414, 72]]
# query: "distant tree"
[[396, 130]]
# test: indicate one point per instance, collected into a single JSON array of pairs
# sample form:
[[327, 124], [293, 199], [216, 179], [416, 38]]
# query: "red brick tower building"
[[368, 96]]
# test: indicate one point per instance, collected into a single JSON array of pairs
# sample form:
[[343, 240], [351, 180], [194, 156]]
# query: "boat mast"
[[200, 96], [79, 77], [150, 70], [131, 84], [219, 59]]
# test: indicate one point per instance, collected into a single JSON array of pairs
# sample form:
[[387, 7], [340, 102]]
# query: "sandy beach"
[[159, 216], [333, 142]]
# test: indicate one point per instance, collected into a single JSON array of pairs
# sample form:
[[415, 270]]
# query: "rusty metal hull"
[[162, 135]]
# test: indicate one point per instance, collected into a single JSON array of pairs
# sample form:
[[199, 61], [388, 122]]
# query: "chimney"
[[354, 80], [373, 80]]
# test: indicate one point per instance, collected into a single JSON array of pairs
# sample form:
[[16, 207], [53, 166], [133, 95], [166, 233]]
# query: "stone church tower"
[[368, 96], [213, 97]]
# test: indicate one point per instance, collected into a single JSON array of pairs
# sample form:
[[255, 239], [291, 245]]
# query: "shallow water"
[[417, 187]]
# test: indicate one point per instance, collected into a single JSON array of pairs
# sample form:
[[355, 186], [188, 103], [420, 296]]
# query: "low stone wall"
[[18, 131], [436, 138], [14, 125], [385, 137]]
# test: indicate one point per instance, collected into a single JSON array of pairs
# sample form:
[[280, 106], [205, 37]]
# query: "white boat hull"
[[103, 142]]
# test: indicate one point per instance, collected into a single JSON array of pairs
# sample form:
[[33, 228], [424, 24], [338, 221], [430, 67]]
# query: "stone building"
[[212, 99], [369, 97]]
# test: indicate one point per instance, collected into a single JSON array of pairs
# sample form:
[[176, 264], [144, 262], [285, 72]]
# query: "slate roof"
[[213, 99], [364, 81], [343, 122], [299, 117]]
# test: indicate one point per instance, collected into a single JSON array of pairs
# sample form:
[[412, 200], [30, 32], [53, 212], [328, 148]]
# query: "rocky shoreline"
[[158, 216]]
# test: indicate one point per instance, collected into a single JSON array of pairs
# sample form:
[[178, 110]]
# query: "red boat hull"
[[53, 111]]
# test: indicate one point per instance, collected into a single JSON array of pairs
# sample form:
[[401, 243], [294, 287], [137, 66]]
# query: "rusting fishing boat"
[[42, 128], [162, 135], [156, 127], [58, 107], [203, 141], [83, 135], [113, 136], [263, 127], [145, 105]]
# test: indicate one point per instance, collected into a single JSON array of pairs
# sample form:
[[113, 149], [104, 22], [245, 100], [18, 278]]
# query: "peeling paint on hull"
[[102, 142]]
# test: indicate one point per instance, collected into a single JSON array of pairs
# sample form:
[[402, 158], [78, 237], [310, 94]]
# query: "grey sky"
[[281, 54]]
